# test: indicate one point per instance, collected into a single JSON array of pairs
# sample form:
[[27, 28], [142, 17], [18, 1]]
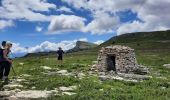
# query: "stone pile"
[[119, 62], [125, 60]]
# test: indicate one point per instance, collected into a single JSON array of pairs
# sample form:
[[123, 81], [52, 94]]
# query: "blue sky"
[[33, 23]]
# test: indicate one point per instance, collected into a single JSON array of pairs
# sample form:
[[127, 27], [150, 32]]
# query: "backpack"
[[1, 53]]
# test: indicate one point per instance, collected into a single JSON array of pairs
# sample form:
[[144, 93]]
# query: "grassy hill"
[[142, 40], [152, 50]]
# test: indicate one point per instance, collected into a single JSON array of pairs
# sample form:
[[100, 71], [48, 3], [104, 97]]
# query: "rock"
[[46, 67], [21, 64], [123, 79], [167, 65], [101, 90], [134, 76], [68, 93], [70, 88], [163, 88], [62, 72], [157, 73], [102, 73], [20, 80], [13, 86], [94, 62], [81, 75], [65, 73], [103, 77], [6, 93], [73, 87], [25, 75], [27, 95], [51, 73], [33, 87], [164, 78], [142, 70]]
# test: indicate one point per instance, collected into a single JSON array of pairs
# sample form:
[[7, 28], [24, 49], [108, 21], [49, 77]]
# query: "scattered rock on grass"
[[12, 86], [45, 67], [167, 65], [21, 64], [31, 95], [68, 93], [70, 88], [81, 75], [62, 72]]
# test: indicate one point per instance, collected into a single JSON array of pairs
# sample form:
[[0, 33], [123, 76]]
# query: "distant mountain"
[[82, 45]]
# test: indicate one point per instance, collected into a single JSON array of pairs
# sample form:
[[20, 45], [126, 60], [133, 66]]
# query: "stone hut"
[[120, 59]]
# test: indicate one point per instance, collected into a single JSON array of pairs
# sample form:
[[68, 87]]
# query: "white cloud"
[[83, 39], [46, 46], [17, 48], [99, 42], [65, 9], [154, 15], [102, 24], [38, 29], [64, 23], [26, 10], [5, 24]]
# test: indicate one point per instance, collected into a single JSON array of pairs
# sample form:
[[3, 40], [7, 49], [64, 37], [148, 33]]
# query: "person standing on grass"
[[5, 62], [60, 53], [2, 59]]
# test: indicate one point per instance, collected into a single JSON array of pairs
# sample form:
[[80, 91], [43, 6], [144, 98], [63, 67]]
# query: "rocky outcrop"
[[82, 45]]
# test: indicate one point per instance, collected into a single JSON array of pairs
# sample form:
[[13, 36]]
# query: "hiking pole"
[[14, 71], [11, 56]]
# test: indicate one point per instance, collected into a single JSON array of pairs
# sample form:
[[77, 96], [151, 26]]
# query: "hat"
[[8, 42]]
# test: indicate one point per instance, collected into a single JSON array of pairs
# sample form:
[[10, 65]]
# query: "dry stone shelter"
[[120, 59]]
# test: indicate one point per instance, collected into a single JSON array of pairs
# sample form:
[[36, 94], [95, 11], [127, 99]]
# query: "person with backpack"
[[2, 59], [60, 53], [5, 61]]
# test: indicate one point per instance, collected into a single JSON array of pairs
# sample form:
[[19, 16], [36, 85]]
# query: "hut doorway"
[[111, 63]]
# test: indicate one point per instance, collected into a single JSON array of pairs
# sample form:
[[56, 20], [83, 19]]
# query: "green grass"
[[149, 52], [89, 87]]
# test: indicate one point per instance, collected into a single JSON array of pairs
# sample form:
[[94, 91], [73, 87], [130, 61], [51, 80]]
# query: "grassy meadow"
[[152, 50], [90, 87]]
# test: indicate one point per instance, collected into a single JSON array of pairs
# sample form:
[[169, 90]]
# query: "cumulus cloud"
[[64, 23], [38, 29], [26, 10], [99, 42], [49, 46], [46, 46], [17, 48], [153, 15], [6, 23], [65, 9], [102, 24]]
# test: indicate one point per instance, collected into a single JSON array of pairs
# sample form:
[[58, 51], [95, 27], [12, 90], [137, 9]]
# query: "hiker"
[[2, 59], [60, 53], [5, 61]]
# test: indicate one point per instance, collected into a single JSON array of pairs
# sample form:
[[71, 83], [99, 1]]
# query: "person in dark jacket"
[[60, 53], [2, 59], [5, 62]]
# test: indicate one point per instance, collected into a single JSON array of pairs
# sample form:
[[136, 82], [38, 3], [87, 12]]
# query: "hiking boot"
[[6, 80]]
